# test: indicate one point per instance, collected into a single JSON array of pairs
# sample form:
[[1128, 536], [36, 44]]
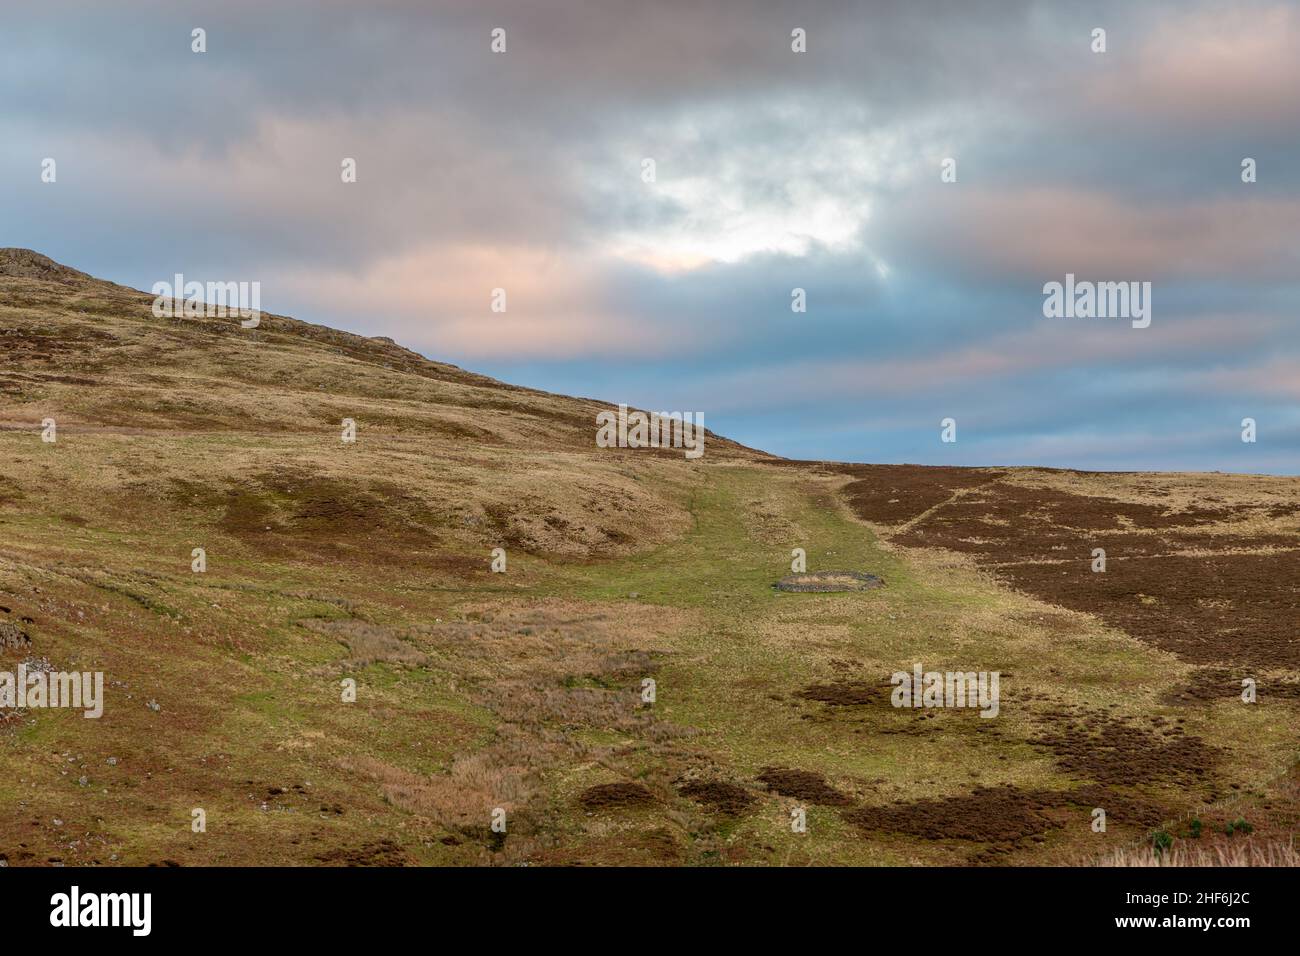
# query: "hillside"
[[370, 561]]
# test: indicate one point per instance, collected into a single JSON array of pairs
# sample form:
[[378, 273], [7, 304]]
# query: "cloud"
[[1275, 377], [1223, 68], [775, 170], [1041, 346], [438, 299], [1041, 234]]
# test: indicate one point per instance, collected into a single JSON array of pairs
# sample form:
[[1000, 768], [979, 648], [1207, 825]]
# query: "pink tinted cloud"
[[1275, 377], [1045, 345], [1043, 233], [1209, 69], [437, 298]]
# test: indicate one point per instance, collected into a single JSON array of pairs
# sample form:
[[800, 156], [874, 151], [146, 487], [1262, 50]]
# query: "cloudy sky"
[[774, 170]]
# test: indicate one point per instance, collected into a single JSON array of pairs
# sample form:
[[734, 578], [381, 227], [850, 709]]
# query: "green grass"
[[258, 694], [730, 677]]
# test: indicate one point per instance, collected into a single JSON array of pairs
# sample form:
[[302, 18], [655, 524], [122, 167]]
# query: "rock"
[[826, 581], [11, 635]]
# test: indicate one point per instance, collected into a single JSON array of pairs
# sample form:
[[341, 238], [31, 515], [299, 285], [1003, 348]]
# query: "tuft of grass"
[[1245, 853], [1161, 841]]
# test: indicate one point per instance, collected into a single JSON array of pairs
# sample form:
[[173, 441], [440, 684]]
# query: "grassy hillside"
[[523, 691]]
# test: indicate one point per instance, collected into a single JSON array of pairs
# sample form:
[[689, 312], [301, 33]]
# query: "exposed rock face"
[[26, 264]]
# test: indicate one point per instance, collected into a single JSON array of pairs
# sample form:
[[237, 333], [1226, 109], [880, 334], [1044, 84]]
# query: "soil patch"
[[1005, 814], [802, 785], [382, 853], [729, 799], [1212, 683], [1209, 608], [1111, 752], [988, 814], [610, 796], [846, 693], [892, 494], [1243, 608]]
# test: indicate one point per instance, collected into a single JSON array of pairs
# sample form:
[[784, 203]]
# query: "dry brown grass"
[[368, 643], [506, 775], [519, 690], [208, 421], [552, 673], [1245, 852]]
